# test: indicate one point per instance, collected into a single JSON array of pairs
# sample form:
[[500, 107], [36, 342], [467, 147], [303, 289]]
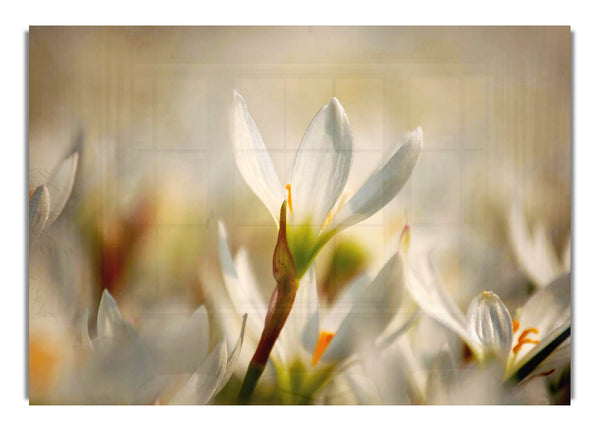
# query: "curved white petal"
[[489, 323], [120, 368], [253, 160], [372, 310], [110, 322], [242, 292], [383, 185], [61, 185], [202, 385], [39, 210], [233, 357], [534, 254], [322, 165], [248, 282], [549, 308], [426, 289], [443, 375], [546, 311]]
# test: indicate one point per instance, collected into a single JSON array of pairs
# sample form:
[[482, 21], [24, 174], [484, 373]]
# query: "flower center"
[[324, 340], [288, 187], [522, 340]]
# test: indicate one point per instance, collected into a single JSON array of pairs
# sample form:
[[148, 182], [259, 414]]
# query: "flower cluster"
[[400, 334]]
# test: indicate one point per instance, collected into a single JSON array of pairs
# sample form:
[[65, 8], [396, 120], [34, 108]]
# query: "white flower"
[[167, 361], [318, 178], [534, 253], [48, 200], [312, 338], [490, 331]]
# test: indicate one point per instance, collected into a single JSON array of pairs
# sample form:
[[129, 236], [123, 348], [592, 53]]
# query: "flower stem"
[[280, 306]]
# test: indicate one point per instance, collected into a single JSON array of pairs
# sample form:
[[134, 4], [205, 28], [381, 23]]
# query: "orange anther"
[[524, 340], [322, 343], [515, 326]]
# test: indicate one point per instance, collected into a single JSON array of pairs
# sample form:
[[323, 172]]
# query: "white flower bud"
[[490, 324]]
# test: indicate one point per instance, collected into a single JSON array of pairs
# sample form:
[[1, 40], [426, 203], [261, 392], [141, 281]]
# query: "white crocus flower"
[[168, 361], [314, 341], [48, 200], [318, 178], [488, 329], [534, 253]]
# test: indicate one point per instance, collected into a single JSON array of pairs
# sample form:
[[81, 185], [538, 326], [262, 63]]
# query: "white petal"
[[546, 311], [243, 294], [427, 290], [443, 375], [549, 308], [322, 165], [61, 184], [253, 160], [383, 185], [535, 255], [302, 326], [39, 209], [560, 357], [202, 385], [372, 310], [177, 338], [233, 358], [120, 367], [248, 283], [110, 322], [489, 322]]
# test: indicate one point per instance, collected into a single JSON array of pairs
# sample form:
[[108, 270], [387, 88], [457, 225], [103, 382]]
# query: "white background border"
[[16, 17]]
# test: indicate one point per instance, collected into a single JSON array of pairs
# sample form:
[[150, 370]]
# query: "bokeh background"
[[148, 109]]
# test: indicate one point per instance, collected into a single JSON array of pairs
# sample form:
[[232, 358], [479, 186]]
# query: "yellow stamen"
[[324, 340], [524, 340], [288, 187]]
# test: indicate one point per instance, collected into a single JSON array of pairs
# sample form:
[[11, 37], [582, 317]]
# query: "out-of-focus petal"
[[443, 375], [244, 297], [322, 165], [383, 185], [61, 184], [534, 254], [490, 324], [110, 322], [202, 385], [233, 357], [253, 160], [120, 368], [372, 310], [426, 289], [39, 209], [178, 340]]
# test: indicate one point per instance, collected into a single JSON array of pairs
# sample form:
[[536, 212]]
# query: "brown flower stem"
[[280, 306]]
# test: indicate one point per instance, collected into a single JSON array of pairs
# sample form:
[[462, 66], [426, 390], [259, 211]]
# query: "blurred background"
[[148, 107]]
